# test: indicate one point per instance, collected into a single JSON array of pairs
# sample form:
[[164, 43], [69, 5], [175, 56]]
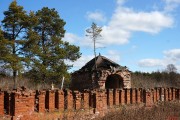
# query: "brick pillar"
[[110, 98], [116, 96], [173, 93], [162, 96], [59, 100], [22, 103], [7, 97], [50, 100], [148, 98], [41, 101], [169, 94], [128, 96], [122, 97], [158, 94], [138, 95], [69, 100], [177, 93], [77, 100], [1, 103], [133, 96], [86, 99], [155, 94], [101, 101], [166, 94]]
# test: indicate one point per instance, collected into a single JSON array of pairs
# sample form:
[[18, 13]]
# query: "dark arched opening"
[[114, 81]]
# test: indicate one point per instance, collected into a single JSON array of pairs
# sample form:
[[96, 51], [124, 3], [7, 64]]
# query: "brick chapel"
[[101, 73]]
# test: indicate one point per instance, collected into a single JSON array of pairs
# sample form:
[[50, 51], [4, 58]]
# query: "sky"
[[143, 35]]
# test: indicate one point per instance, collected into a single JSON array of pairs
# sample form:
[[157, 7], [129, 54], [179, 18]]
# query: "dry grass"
[[162, 111], [7, 83]]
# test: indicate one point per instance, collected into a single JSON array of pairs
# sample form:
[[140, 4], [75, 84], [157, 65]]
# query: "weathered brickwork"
[[24, 103], [116, 94], [1, 103], [59, 100], [50, 100], [40, 101]]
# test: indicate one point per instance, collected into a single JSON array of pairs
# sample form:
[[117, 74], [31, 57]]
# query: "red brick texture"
[[18, 103], [22, 103], [41, 101], [86, 100], [116, 95], [50, 100], [59, 100], [1, 103], [122, 97]]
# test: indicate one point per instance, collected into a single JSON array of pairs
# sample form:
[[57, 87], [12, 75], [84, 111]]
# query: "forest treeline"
[[165, 78]]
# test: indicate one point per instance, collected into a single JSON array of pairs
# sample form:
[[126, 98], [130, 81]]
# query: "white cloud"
[[114, 35], [123, 23], [150, 63], [173, 54], [71, 38], [96, 16], [150, 22], [170, 57], [120, 2], [171, 5]]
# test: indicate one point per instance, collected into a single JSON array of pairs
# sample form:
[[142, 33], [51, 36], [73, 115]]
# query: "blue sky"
[[142, 35]]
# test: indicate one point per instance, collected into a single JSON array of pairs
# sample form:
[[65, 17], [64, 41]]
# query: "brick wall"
[[1, 103], [40, 101], [23, 102], [59, 100], [50, 100]]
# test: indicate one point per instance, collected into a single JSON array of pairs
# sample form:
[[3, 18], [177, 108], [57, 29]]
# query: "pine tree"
[[14, 24], [48, 52]]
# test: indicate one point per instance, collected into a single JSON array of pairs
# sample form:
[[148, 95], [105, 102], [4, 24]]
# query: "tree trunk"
[[15, 78]]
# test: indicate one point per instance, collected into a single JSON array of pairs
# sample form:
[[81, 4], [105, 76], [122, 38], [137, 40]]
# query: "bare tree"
[[94, 33], [171, 68]]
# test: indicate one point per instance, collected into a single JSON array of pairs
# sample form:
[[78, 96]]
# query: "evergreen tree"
[[48, 52], [14, 25]]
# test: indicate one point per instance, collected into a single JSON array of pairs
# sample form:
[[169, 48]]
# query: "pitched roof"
[[101, 63]]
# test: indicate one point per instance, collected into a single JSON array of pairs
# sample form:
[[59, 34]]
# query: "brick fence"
[[24, 102]]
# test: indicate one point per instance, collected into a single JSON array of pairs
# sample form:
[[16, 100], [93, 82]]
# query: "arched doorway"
[[114, 81]]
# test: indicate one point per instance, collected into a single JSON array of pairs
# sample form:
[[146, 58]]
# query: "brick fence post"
[[133, 95], [138, 95], [177, 94], [77, 100], [158, 94], [59, 100], [22, 103], [169, 94], [173, 93], [128, 96], [165, 94], [122, 97], [50, 100], [2, 103], [7, 98], [148, 98], [86, 99], [69, 100], [101, 102], [41, 101], [162, 94], [116, 95], [110, 98]]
